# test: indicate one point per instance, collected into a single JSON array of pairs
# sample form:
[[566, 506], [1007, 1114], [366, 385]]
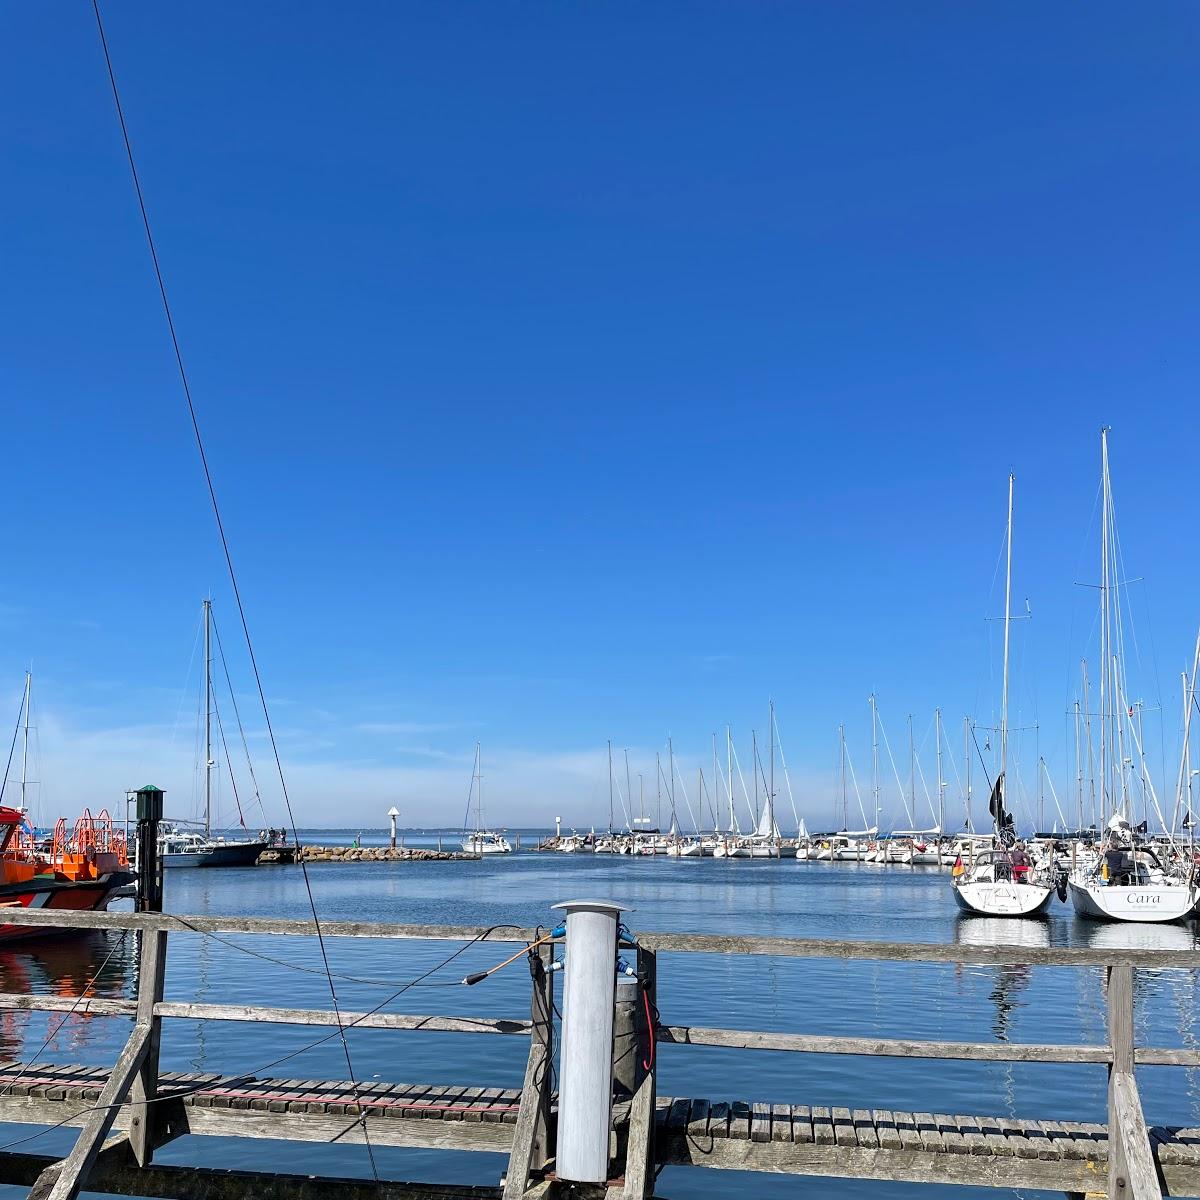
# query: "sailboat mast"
[[937, 718], [912, 768], [1105, 631], [208, 762], [1078, 772], [874, 761], [610, 787], [25, 747], [729, 778], [628, 790], [771, 785], [671, 785], [1007, 626], [967, 758], [842, 773]]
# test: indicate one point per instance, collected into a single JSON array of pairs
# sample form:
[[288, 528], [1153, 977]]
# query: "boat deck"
[[734, 1134]]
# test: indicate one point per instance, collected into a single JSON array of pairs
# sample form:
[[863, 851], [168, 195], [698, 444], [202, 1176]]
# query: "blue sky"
[[575, 372]]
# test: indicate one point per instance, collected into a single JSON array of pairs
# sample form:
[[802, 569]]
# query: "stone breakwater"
[[378, 854]]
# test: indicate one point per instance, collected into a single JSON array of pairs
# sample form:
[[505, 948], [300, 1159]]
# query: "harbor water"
[[823, 900]]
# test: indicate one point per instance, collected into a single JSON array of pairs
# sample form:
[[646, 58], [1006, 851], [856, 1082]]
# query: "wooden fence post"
[[531, 1135], [639, 1154], [1132, 1174], [152, 968]]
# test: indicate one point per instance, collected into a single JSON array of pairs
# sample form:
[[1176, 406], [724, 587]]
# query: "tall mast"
[[771, 785], [729, 779], [967, 758], [628, 790], [716, 775], [937, 718], [874, 756], [912, 769], [754, 771], [1105, 632], [25, 747], [1078, 773], [478, 788], [671, 757], [658, 789], [842, 773], [1087, 737], [1007, 623], [610, 787], [208, 760]]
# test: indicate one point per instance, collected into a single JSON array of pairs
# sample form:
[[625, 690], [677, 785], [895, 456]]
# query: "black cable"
[[87, 987], [236, 714], [16, 730], [212, 494], [252, 1076]]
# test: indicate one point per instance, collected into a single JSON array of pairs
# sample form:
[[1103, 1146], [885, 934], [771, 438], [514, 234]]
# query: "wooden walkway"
[[735, 1134], [152, 1107]]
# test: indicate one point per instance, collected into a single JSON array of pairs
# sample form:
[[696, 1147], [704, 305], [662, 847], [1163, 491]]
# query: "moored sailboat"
[[1002, 882]]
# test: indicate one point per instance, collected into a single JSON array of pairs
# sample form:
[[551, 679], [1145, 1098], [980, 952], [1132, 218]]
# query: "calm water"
[[805, 899]]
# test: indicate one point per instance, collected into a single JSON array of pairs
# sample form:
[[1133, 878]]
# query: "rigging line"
[[55, 1030], [236, 714], [16, 730], [293, 966], [228, 764], [253, 1076], [212, 495]]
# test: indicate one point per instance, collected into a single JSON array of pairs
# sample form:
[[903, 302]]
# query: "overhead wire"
[[183, 377]]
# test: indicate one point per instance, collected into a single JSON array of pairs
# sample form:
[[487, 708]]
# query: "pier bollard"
[[149, 865], [585, 1085], [626, 1056]]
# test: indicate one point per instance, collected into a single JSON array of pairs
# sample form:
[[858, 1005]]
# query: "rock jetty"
[[378, 854]]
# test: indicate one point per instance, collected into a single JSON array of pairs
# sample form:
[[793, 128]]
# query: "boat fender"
[[1060, 886]]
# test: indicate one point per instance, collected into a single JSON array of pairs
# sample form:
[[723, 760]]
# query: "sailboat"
[[179, 846], [480, 840], [1129, 880], [999, 882]]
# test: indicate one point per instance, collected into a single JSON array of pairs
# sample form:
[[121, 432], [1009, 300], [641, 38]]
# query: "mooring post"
[[152, 967], [586, 1068], [627, 1059], [639, 1150], [1120, 1038]]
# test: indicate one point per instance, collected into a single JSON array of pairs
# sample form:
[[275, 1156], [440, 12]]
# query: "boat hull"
[[1142, 903], [61, 895], [1003, 899], [221, 854]]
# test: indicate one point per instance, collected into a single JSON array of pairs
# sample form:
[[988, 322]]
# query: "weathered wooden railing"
[[1128, 1158]]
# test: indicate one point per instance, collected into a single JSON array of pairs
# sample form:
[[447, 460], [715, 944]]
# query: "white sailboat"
[[1129, 881], [1001, 882], [479, 840]]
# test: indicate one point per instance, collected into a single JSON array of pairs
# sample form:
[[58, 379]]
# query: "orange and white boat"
[[82, 868]]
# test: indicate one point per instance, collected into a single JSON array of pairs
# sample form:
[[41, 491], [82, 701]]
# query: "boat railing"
[[135, 1079]]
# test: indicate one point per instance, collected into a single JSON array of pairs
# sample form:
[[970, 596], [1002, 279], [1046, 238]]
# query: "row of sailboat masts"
[[761, 799]]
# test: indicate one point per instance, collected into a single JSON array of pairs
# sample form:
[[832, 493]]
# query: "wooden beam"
[[1120, 1036], [691, 1035], [93, 1006], [125, 1178], [688, 943], [66, 1181], [317, 1016], [1141, 1178], [152, 972]]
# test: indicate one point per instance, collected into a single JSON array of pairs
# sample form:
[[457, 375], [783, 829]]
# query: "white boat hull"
[[1153, 903], [1003, 899]]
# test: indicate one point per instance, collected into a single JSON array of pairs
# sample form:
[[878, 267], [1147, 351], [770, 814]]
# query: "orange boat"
[[82, 869]]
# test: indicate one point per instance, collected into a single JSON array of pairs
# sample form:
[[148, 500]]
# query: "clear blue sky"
[[574, 372]]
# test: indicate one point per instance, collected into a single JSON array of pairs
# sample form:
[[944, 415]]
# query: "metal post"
[[585, 1087], [393, 813], [149, 865]]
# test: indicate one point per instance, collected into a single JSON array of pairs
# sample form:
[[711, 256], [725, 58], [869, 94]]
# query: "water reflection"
[[1009, 981], [64, 966]]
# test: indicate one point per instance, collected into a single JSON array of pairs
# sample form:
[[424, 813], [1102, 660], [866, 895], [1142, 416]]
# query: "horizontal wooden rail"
[[317, 1016], [685, 943], [91, 1005], [742, 1039]]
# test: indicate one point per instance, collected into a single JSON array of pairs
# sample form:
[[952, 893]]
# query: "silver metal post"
[[585, 1087]]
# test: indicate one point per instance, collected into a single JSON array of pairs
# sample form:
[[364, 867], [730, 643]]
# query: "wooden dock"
[[150, 1108]]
